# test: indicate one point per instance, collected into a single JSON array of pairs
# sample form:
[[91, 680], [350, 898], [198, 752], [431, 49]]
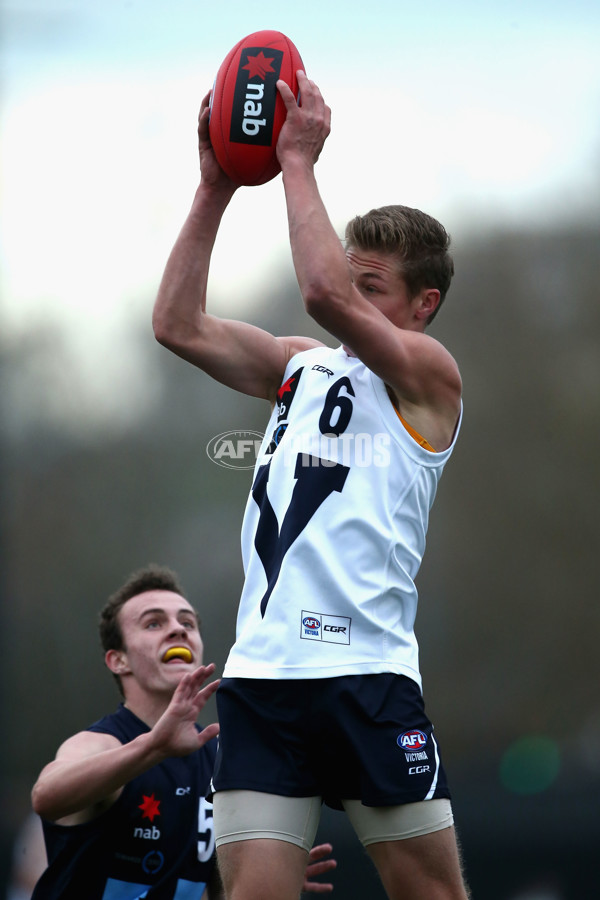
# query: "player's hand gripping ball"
[[246, 111]]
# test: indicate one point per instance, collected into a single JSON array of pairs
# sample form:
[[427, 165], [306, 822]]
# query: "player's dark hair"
[[419, 242], [151, 578]]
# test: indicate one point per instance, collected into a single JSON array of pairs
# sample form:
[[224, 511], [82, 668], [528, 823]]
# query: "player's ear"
[[116, 660], [429, 300]]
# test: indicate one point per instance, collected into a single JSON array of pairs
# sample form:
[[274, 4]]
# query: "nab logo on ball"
[[253, 110], [246, 111], [412, 740]]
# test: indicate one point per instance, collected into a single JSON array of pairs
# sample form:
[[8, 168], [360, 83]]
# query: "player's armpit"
[[239, 355]]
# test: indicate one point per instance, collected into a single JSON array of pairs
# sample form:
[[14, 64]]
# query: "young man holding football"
[[321, 696]]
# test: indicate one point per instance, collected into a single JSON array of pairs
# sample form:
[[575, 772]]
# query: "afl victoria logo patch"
[[412, 740]]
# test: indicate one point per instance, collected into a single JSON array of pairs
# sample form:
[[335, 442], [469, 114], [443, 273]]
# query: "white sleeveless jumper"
[[334, 529]]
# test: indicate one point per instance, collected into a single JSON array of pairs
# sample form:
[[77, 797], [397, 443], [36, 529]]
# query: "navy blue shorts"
[[355, 737]]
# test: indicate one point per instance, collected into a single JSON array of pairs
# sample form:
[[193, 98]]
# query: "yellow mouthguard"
[[179, 653]]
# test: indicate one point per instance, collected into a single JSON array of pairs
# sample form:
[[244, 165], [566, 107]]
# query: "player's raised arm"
[[237, 354], [360, 294], [91, 768]]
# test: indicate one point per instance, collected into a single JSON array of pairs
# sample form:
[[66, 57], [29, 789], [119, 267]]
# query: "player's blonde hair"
[[418, 241]]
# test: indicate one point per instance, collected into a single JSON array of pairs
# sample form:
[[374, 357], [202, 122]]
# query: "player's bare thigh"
[[414, 848], [262, 869], [263, 842], [427, 867]]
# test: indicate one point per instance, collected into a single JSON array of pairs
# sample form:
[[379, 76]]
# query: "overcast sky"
[[476, 112]]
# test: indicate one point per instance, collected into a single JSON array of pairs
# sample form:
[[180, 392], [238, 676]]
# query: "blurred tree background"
[[508, 621]]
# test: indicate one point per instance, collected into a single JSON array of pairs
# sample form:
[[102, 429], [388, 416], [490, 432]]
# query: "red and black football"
[[246, 111]]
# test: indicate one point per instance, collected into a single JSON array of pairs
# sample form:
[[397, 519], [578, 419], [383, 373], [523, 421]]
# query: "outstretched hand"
[[318, 865], [175, 733]]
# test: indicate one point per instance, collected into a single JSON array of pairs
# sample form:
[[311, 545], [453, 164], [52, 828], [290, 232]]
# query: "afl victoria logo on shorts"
[[413, 743]]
